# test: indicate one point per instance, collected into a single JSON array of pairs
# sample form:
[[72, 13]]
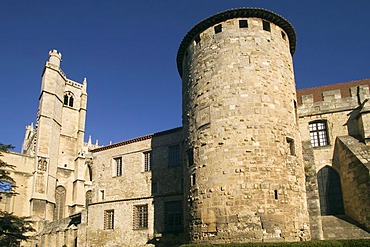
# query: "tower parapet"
[[55, 57], [245, 176]]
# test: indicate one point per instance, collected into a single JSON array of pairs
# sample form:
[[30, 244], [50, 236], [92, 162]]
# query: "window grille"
[[118, 164], [109, 219], [173, 216], [140, 216], [174, 156], [147, 161], [318, 134]]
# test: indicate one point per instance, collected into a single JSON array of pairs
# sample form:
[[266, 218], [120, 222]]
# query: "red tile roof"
[[343, 87]]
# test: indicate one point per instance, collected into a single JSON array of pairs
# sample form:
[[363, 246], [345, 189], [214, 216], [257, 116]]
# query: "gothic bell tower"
[[59, 137]]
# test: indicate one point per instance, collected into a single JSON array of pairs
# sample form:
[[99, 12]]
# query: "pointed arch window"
[[68, 99], [60, 198]]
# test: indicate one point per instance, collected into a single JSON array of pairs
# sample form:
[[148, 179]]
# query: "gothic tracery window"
[[68, 99]]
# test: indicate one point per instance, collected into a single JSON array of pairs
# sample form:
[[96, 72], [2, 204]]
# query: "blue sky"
[[127, 50]]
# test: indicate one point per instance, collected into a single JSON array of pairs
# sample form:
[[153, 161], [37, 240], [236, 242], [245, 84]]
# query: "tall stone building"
[[255, 160]]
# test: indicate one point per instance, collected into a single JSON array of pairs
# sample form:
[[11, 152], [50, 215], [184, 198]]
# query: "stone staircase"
[[342, 227]]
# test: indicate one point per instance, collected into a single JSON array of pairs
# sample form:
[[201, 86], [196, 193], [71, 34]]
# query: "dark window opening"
[[330, 192], [173, 217], [193, 179], [283, 35], [218, 28], [266, 26], [190, 156], [243, 23], [276, 194], [174, 156], [290, 142], [66, 99]]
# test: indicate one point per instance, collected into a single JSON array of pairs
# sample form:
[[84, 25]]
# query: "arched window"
[[330, 192], [68, 99], [88, 198], [60, 199]]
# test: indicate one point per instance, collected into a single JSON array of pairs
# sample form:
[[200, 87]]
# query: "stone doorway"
[[330, 191]]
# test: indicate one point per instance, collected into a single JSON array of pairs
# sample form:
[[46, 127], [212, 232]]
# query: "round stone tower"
[[244, 175]]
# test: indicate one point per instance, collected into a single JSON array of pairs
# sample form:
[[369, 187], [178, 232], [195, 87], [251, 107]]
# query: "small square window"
[[243, 23], [141, 217], [218, 28], [266, 26], [109, 219]]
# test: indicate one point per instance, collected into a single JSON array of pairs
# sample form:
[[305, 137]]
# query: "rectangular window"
[[141, 216], [266, 26], [173, 216], [102, 194], [218, 28], [174, 156], [147, 161], [318, 134], [193, 179], [243, 23], [109, 219], [118, 166]]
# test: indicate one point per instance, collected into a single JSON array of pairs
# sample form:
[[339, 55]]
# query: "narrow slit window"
[[243, 23], [276, 194], [147, 161], [290, 142], [266, 26], [218, 28]]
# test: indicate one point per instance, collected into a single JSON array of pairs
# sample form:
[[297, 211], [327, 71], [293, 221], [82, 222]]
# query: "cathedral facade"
[[255, 161]]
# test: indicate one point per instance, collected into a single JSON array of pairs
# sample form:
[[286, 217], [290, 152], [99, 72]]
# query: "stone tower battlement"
[[244, 178], [334, 97]]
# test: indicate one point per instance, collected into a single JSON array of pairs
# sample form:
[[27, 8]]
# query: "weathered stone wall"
[[134, 187], [245, 174], [352, 160]]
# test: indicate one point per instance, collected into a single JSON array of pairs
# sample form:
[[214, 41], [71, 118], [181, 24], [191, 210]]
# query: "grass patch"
[[325, 243]]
